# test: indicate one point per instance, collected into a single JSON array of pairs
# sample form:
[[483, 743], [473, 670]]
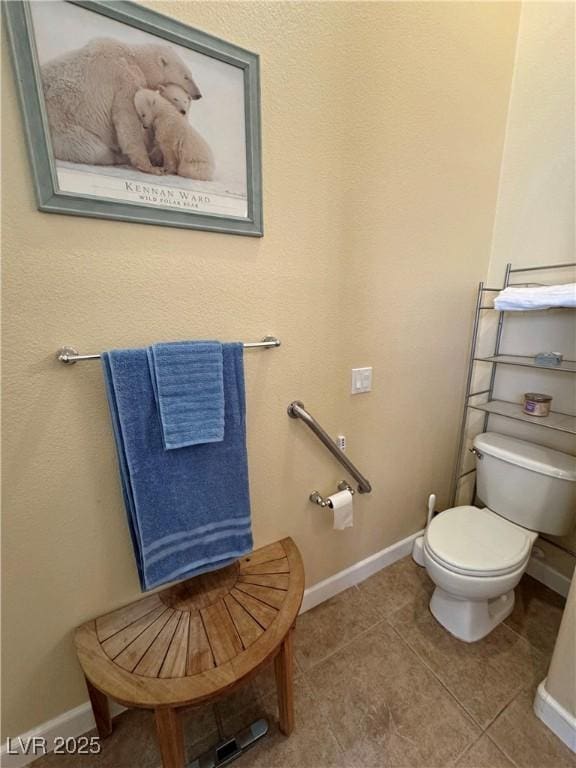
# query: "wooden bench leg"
[[170, 737], [283, 666], [101, 710]]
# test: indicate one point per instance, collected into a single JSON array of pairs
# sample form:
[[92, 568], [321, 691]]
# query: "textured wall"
[[535, 212], [535, 222], [382, 129]]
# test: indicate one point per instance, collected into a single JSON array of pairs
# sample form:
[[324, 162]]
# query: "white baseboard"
[[79, 720], [356, 573], [537, 568], [554, 716], [70, 724], [543, 572]]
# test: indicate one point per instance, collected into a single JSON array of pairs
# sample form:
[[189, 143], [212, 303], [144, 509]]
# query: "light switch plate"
[[361, 380]]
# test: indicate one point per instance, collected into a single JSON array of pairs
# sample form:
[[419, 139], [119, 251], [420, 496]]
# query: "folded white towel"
[[540, 297]]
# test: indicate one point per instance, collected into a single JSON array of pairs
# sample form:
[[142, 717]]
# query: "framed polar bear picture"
[[135, 116]]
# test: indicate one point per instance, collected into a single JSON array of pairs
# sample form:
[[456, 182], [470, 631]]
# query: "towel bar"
[[69, 355]]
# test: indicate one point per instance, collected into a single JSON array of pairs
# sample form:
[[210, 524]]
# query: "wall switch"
[[341, 442], [361, 380]]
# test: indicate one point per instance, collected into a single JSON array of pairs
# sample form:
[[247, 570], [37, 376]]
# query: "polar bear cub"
[[185, 152], [177, 96]]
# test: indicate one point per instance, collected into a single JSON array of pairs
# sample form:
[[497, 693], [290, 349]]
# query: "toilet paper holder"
[[324, 501]]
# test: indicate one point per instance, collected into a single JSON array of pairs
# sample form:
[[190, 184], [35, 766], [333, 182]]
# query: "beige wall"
[[535, 223], [535, 212], [382, 128]]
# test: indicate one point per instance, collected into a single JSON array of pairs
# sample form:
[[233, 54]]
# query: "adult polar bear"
[[89, 96]]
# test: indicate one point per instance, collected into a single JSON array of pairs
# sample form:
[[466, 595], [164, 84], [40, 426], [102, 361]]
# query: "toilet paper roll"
[[341, 503]]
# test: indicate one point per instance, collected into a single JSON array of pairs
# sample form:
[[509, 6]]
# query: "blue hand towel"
[[188, 384], [188, 509]]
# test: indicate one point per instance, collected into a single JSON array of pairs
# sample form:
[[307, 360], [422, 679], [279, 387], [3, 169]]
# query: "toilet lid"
[[478, 541]]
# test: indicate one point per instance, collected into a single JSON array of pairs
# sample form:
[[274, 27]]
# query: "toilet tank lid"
[[536, 458]]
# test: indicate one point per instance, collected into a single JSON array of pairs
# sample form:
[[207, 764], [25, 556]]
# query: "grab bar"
[[296, 410]]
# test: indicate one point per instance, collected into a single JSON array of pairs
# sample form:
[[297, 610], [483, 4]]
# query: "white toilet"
[[477, 556]]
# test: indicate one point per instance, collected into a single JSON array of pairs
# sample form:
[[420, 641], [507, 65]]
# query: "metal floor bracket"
[[228, 750]]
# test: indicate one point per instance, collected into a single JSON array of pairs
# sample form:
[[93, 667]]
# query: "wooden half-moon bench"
[[195, 642]]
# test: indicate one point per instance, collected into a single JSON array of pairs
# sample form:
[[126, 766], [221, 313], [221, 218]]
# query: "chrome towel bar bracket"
[[296, 410]]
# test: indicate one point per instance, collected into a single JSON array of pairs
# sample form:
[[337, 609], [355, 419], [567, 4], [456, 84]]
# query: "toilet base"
[[470, 620]]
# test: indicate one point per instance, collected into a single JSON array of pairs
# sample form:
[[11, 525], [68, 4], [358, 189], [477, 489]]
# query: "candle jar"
[[537, 404]]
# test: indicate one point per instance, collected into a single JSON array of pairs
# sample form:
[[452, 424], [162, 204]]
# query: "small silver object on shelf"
[[548, 358]]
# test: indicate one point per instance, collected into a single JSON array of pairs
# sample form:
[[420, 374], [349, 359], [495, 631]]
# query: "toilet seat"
[[477, 542]]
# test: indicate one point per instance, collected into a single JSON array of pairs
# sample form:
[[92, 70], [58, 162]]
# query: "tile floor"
[[380, 683]]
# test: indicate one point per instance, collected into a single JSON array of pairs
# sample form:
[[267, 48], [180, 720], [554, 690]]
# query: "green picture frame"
[[50, 195]]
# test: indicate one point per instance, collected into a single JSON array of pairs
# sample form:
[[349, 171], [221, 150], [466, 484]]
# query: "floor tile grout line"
[[505, 624], [273, 696], [306, 671], [418, 658], [502, 749], [341, 747], [323, 715], [494, 743], [386, 620], [413, 599], [492, 720], [545, 654], [467, 749], [442, 683], [379, 621], [515, 694], [341, 647]]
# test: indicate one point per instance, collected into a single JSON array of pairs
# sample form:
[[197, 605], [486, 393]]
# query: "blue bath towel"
[[189, 388], [188, 509]]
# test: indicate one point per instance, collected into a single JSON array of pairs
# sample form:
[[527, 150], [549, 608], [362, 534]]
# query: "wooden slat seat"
[[196, 641]]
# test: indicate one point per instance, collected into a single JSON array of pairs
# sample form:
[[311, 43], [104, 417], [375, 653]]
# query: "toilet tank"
[[528, 484]]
